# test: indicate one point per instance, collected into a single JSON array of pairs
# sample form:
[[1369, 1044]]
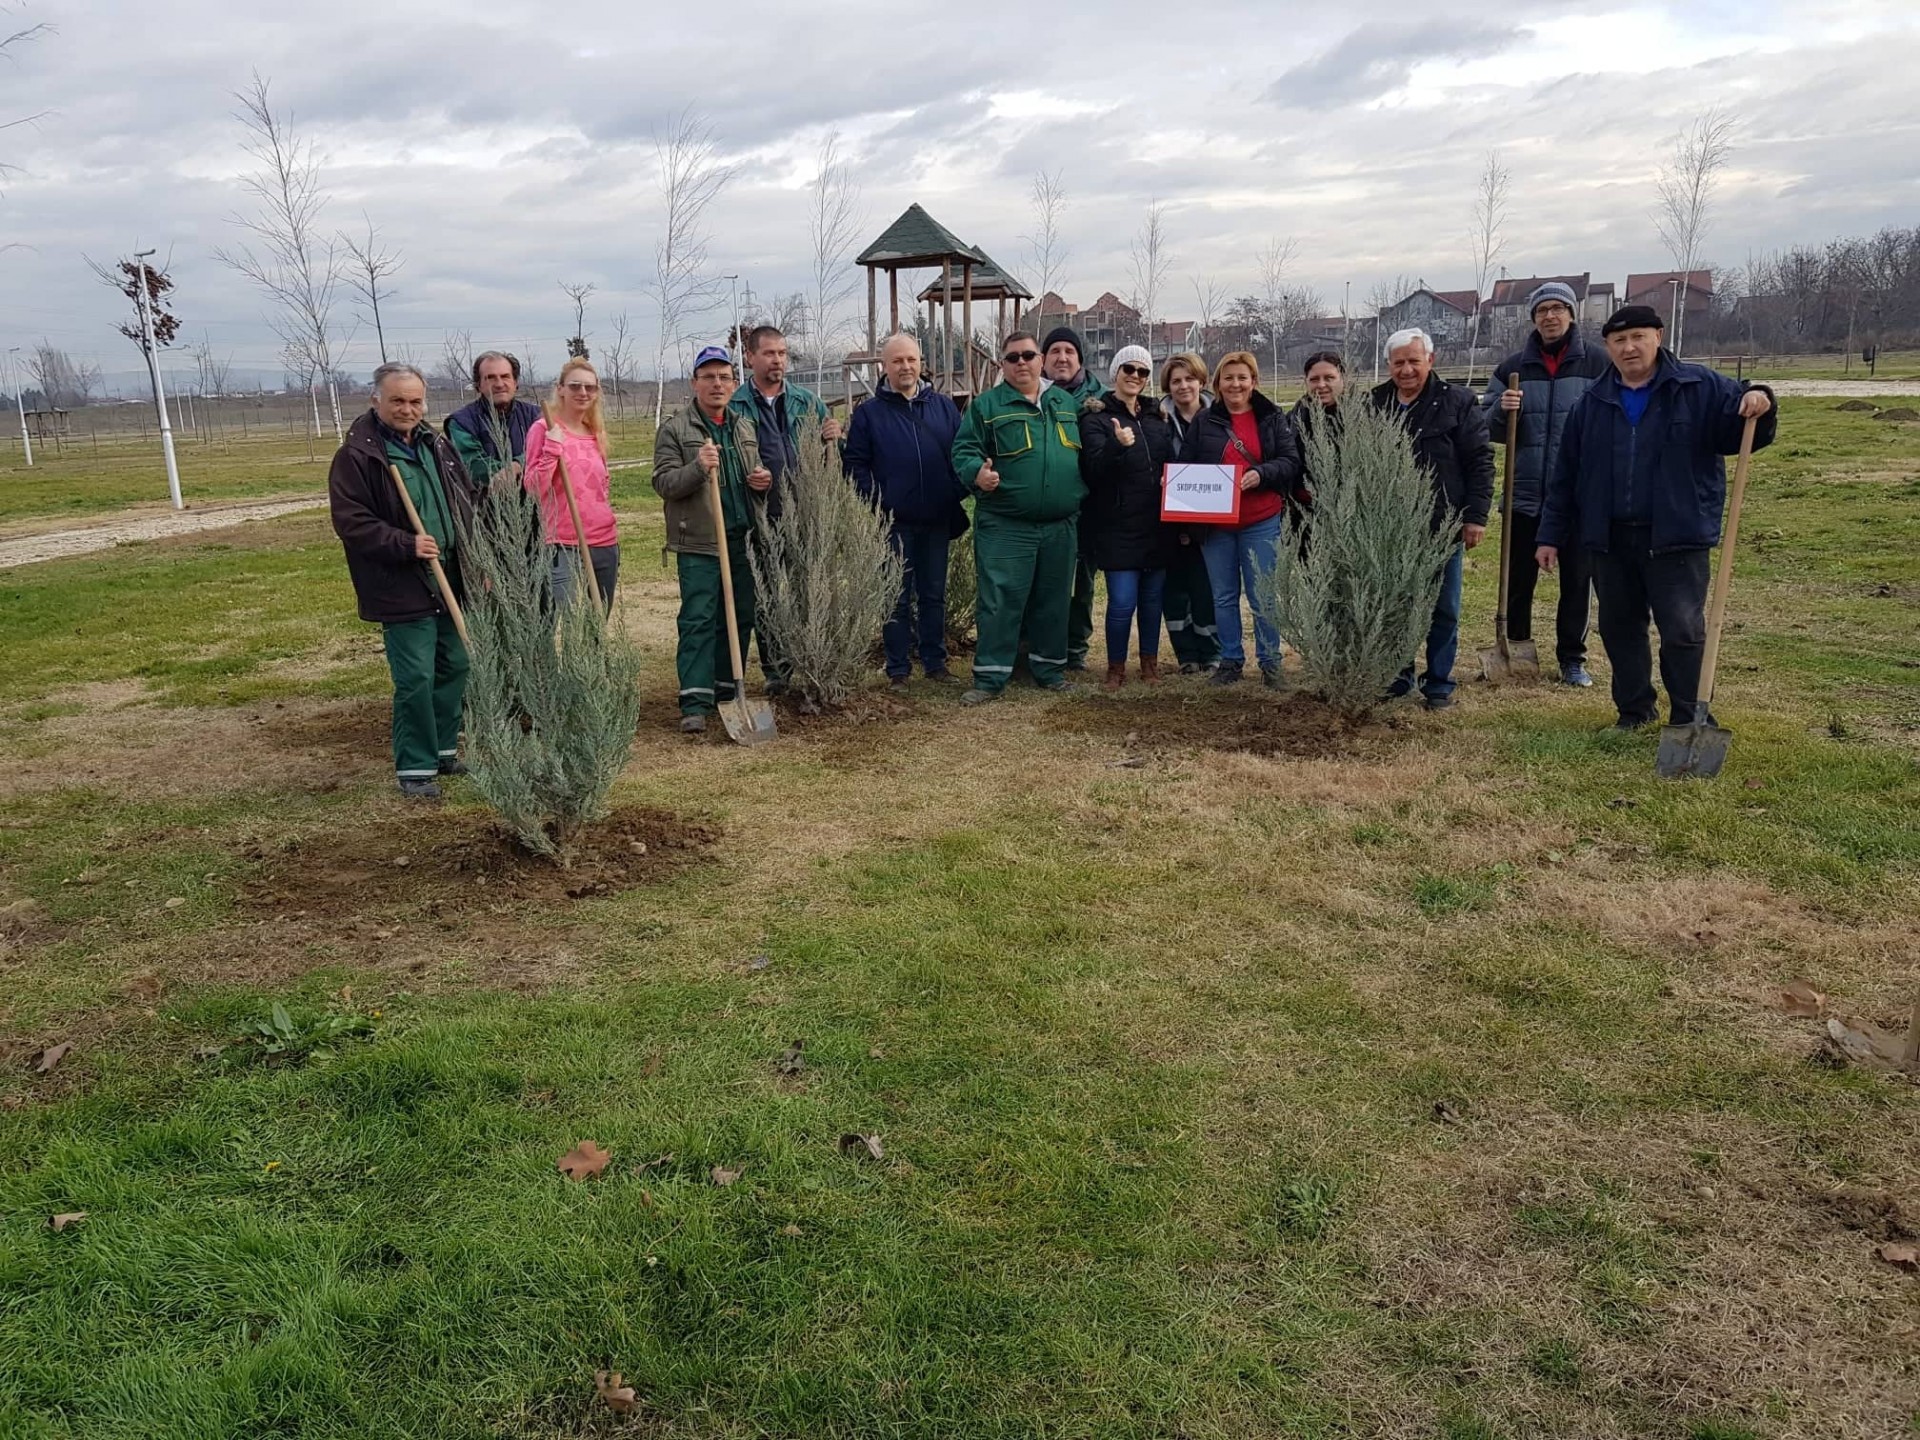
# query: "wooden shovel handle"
[[1506, 515], [439, 572], [579, 531], [1723, 578], [726, 581]]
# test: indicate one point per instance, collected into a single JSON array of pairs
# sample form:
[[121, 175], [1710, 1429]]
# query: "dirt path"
[[57, 544], [1837, 389]]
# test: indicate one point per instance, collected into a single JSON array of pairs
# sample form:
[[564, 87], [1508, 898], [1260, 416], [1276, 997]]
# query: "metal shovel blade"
[[1696, 749], [748, 722], [1510, 660]]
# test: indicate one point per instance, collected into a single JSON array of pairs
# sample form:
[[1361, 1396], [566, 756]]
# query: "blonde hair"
[[594, 423], [1186, 360], [1237, 357]]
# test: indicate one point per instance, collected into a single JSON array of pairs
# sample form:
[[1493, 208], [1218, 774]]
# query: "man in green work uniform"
[[691, 444], [1018, 451], [392, 581], [1063, 359]]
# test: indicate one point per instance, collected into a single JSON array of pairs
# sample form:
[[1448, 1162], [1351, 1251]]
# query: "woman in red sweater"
[[572, 428]]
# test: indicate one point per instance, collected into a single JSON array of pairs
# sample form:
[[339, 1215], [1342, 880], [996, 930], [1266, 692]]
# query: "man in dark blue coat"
[[1554, 369], [1639, 485], [899, 452]]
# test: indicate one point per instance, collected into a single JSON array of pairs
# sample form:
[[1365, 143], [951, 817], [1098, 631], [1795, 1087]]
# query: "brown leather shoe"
[[1116, 676], [1149, 669]]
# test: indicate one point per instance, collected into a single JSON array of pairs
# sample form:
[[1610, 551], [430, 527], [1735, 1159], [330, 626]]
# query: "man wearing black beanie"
[[1639, 485], [1064, 358]]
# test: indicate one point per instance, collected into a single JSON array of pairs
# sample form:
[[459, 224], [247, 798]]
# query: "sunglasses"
[[1140, 371], [581, 389], [1019, 357]]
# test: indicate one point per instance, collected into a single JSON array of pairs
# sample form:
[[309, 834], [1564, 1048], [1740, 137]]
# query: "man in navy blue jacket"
[[900, 452], [1639, 485]]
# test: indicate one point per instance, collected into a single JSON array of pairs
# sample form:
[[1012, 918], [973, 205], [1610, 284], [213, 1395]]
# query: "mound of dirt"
[[1856, 405], [1899, 412], [1295, 726], [430, 857]]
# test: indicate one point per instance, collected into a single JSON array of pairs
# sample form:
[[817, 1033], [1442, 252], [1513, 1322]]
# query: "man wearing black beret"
[[1639, 485]]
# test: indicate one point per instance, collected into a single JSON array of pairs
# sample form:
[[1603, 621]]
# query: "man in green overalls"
[[388, 564], [691, 443], [1018, 451]]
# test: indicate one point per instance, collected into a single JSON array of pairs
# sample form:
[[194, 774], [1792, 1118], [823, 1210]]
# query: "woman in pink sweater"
[[572, 427]]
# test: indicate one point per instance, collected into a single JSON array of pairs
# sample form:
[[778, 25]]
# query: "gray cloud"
[[1376, 60]]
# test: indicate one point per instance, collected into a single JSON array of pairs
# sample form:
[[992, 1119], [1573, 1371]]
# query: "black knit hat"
[[1066, 333], [1633, 317]]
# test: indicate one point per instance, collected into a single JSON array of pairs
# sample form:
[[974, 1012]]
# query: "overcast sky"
[[502, 153]]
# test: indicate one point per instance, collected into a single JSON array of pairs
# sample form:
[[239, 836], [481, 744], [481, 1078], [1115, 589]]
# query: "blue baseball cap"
[[711, 354]]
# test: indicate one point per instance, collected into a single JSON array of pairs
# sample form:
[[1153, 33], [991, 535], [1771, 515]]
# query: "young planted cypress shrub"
[[552, 695], [1356, 600], [825, 574]]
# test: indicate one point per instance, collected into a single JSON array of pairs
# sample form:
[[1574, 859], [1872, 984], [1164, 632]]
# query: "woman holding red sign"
[[1125, 444], [1246, 430]]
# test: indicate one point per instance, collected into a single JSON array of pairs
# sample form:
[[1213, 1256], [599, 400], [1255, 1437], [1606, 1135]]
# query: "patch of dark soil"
[[1294, 725], [1899, 412], [863, 707], [1872, 1212], [1855, 405], [360, 728], [438, 855]]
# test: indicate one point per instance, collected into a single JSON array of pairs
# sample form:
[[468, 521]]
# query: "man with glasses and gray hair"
[[1018, 452], [387, 560]]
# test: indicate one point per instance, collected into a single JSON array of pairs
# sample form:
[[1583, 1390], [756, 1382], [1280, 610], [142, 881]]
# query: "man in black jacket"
[[1554, 369], [387, 562], [1449, 438]]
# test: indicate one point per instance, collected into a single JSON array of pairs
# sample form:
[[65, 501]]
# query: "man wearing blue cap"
[[1554, 367], [691, 445]]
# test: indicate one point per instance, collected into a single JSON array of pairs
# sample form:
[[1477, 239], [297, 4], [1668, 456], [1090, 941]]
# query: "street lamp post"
[[153, 369], [20, 403]]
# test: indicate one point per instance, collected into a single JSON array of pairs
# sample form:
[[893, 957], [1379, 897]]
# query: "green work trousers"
[[429, 668], [1024, 569], [1189, 608], [706, 667], [1080, 613]]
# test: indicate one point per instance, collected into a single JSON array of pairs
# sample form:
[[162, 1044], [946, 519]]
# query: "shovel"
[[748, 722], [1508, 659], [573, 509], [439, 571], [1701, 747]]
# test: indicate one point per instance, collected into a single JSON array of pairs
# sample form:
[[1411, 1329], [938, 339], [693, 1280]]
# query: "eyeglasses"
[[581, 389], [1019, 357], [1140, 371]]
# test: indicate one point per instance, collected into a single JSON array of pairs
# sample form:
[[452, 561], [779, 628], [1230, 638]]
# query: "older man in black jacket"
[[1450, 438], [387, 562]]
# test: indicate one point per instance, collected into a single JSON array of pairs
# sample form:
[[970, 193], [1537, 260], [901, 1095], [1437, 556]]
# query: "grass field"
[[1233, 1077]]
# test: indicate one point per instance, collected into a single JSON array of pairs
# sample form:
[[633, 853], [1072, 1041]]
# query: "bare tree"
[[577, 346], [287, 257], [209, 369], [619, 356], [1274, 257], [63, 384], [1487, 239], [1685, 191], [127, 276], [834, 220], [8, 44], [1149, 259], [456, 359], [691, 179], [372, 264], [1049, 250], [1209, 299]]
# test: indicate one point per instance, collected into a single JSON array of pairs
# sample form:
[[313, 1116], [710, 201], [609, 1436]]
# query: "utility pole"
[[153, 369], [20, 403]]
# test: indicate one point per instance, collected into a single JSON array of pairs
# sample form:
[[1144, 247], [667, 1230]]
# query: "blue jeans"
[[1129, 592], [1235, 559], [1443, 634], [924, 548], [566, 569]]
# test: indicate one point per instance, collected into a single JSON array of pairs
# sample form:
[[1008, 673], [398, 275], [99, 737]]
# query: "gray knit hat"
[[1552, 290], [1130, 355]]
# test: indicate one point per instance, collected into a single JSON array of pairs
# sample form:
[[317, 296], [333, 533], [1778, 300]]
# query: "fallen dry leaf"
[[792, 1061], [654, 1164], [50, 1057], [584, 1161], [1754, 782], [1621, 802], [720, 1175], [611, 1386], [790, 1230], [867, 1147], [1900, 1255], [1867, 1044], [876, 1053], [1447, 1114], [72, 1217], [1800, 999]]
